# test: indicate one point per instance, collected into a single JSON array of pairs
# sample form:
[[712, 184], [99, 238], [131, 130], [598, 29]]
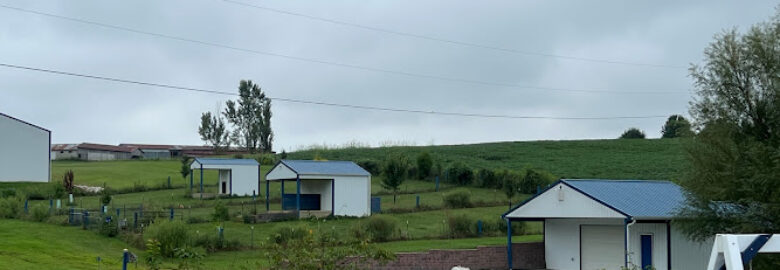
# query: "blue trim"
[[230, 178], [267, 196], [201, 179], [282, 194], [298, 195], [509, 243], [669, 245], [752, 250], [333, 197]]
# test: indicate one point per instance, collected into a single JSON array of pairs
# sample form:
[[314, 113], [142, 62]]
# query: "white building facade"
[[609, 224], [24, 151], [239, 177]]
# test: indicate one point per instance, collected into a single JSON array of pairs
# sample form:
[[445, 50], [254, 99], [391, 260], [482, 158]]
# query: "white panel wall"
[[245, 180], [687, 254], [281, 172], [24, 152], [353, 196], [562, 201], [658, 231], [562, 241], [322, 187]]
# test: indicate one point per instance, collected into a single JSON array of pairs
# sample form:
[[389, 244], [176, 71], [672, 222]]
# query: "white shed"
[[25, 154], [609, 224], [339, 188], [236, 176]]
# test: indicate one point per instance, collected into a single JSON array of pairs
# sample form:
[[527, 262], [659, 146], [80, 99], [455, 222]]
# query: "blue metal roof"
[[325, 167], [635, 198], [226, 161]]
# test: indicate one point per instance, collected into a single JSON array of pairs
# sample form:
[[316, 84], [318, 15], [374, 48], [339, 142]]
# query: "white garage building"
[[236, 176], [608, 224], [339, 188], [24, 151]]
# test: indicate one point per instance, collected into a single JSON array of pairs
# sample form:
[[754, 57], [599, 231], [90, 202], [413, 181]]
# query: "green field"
[[418, 230]]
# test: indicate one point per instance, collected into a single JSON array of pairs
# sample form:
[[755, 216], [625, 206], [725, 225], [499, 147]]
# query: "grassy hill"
[[609, 159]]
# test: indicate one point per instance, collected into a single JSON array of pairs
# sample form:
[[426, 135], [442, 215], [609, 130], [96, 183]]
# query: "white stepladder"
[[734, 251]]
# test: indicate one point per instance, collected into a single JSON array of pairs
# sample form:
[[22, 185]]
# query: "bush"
[[170, 234], [461, 226], [105, 196], [108, 226], [488, 179], [196, 219], [534, 179], [11, 207], [460, 174], [221, 212], [460, 198], [212, 243], [58, 191], [633, 133], [5, 193], [424, 165], [375, 229], [38, 213], [286, 234], [518, 228]]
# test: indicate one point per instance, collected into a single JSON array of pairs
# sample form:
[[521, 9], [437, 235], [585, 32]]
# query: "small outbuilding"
[[24, 151], [236, 176], [339, 188], [609, 224]]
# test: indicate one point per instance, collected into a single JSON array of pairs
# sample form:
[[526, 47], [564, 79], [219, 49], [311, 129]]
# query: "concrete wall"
[[24, 152], [524, 256]]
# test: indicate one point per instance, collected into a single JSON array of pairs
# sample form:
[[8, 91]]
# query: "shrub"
[[196, 219], [518, 228], [153, 254], [488, 179], [11, 207], [534, 179], [108, 226], [284, 235], [58, 191], [633, 133], [221, 212], [460, 198], [461, 226], [370, 166], [460, 174], [376, 229], [7, 193], [105, 196], [424, 165], [170, 234], [39, 213]]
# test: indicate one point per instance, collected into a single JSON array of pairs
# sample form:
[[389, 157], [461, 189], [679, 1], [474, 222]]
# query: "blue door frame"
[[646, 241]]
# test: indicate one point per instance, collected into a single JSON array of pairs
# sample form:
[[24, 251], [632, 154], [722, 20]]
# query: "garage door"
[[602, 247]]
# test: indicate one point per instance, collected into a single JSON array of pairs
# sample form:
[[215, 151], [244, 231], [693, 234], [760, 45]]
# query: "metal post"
[[70, 216], [437, 183], [191, 172], [417, 204], [86, 219], [282, 194], [171, 213], [51, 205], [509, 242], [298, 195], [267, 196], [125, 259], [25, 206], [479, 228], [169, 181], [135, 220], [201, 181], [117, 212], [252, 239]]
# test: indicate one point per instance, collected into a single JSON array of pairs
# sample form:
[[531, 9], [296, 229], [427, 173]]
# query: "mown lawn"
[[32, 245]]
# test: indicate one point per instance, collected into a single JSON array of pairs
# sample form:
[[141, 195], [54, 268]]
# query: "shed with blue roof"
[[236, 176], [609, 224], [340, 188]]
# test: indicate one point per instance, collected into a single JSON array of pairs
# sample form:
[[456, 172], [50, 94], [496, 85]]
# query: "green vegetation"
[[633, 133]]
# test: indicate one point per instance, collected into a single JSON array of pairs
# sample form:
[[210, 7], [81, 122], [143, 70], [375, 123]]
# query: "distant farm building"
[[340, 188], [609, 224], [24, 151], [154, 151], [236, 176], [93, 151]]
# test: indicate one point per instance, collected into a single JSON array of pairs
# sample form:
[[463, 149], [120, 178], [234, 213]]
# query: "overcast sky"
[[672, 34]]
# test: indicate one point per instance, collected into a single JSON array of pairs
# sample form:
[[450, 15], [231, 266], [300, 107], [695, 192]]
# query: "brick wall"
[[524, 256]]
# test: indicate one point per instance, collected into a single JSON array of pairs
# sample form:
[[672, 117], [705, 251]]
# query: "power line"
[[450, 41], [344, 65], [300, 101]]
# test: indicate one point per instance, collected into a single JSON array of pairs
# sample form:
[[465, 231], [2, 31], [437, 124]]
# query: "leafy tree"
[[510, 185], [185, 167], [533, 179], [488, 179], [394, 170], [283, 155], [251, 117], [676, 126], [460, 174], [212, 131], [733, 182], [424, 165], [633, 133]]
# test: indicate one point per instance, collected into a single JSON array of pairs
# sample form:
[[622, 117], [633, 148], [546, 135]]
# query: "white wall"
[[562, 241], [658, 231], [24, 152], [244, 177], [353, 196], [687, 254], [561, 201], [322, 187]]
